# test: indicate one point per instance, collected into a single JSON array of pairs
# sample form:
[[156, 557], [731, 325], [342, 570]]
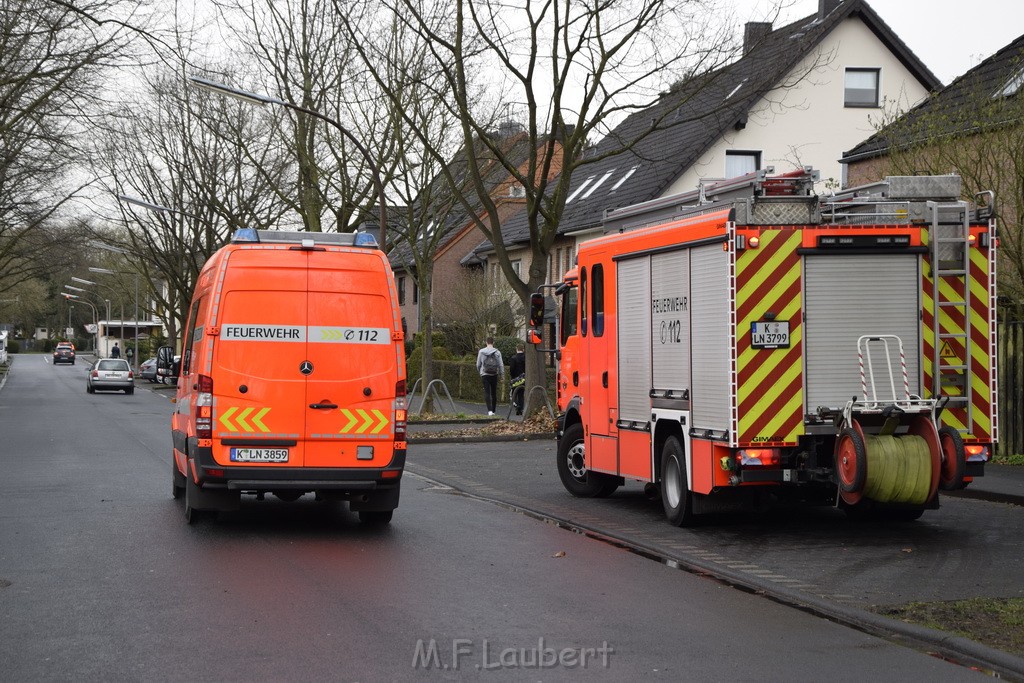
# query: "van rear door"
[[354, 361], [259, 389]]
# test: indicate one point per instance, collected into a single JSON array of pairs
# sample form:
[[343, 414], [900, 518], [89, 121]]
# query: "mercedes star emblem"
[[306, 367]]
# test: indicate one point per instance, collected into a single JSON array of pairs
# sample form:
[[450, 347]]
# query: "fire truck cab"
[[754, 339], [292, 376]]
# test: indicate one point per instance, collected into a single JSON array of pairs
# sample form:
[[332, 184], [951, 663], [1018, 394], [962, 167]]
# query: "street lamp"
[[256, 98], [105, 271], [97, 284], [95, 315]]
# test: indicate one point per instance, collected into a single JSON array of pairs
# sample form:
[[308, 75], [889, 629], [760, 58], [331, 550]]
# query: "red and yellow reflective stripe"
[[770, 381]]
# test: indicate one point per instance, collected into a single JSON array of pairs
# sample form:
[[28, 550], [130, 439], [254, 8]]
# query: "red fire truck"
[[754, 339]]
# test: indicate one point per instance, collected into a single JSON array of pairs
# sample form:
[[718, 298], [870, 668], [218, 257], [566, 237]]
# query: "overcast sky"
[[949, 36]]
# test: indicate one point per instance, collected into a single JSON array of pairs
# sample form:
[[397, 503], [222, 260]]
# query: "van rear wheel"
[[376, 517], [177, 481], [192, 515]]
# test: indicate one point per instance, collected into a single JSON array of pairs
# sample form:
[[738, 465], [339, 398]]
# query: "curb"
[[480, 439]]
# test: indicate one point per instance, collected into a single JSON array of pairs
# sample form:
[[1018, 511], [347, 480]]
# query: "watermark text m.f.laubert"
[[484, 654]]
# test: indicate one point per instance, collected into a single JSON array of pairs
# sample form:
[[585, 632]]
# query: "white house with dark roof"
[[799, 95]]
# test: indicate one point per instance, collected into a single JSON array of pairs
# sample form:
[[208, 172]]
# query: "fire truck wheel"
[[951, 478], [675, 493], [572, 468], [851, 461]]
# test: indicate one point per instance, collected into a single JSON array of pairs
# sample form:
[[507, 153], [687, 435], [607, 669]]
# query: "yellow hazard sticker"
[[946, 351], [360, 421], [244, 421]]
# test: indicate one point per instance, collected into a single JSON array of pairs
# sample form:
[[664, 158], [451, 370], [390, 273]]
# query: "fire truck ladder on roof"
[[949, 240]]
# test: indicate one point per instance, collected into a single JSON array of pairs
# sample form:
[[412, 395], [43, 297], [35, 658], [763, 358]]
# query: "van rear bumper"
[[234, 478]]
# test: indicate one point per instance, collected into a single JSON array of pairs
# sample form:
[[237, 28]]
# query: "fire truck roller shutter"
[[670, 320], [849, 296], [711, 396], [634, 342]]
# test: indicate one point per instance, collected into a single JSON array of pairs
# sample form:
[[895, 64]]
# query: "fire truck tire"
[[675, 492], [954, 457], [851, 461], [572, 468]]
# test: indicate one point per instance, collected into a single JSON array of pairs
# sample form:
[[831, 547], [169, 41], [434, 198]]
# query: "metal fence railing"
[[1011, 388]]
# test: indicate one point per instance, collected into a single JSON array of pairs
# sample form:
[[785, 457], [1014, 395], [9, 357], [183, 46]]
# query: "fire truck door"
[[603, 451]]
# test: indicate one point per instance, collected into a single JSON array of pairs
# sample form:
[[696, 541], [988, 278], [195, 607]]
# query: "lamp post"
[[256, 98], [97, 284], [95, 315], [105, 271]]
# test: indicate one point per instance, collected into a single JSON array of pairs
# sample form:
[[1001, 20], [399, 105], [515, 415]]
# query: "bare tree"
[[53, 56], [302, 54], [978, 134], [568, 71], [211, 161]]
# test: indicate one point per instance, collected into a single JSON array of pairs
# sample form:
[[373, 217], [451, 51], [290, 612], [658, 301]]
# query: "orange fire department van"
[[753, 339], [292, 376]]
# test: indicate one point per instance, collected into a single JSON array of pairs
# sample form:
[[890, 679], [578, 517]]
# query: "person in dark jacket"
[[490, 366], [517, 374]]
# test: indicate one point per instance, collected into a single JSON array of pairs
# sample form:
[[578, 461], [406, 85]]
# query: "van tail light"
[[204, 407], [131, 375], [401, 414], [95, 373]]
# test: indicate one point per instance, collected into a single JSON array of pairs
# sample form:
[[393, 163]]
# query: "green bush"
[[507, 346], [414, 363], [13, 347]]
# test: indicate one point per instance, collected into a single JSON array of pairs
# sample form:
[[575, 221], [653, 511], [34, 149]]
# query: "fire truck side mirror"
[[533, 336], [536, 310]]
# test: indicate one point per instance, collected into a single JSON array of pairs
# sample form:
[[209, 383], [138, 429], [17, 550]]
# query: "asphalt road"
[[101, 579]]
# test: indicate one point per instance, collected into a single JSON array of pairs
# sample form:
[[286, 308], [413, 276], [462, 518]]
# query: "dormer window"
[[580, 189], [861, 88], [736, 89], [1013, 85], [597, 184], [516, 190]]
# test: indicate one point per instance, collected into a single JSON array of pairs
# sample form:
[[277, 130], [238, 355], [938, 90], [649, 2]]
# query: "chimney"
[[754, 32], [825, 7]]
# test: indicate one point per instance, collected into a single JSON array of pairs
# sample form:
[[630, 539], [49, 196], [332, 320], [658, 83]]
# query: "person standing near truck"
[[517, 377], [489, 365]]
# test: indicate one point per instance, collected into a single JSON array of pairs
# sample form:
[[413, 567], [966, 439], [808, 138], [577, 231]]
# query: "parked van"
[[292, 376]]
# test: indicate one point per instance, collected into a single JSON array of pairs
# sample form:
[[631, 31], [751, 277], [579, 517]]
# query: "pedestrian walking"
[[116, 351], [490, 366], [517, 377]]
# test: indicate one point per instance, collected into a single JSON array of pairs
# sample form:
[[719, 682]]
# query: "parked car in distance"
[[64, 353], [111, 373], [148, 370]]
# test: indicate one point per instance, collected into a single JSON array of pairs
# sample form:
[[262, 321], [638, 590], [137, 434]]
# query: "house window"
[[580, 189], [739, 163], [401, 291], [624, 178], [861, 88], [415, 292], [1012, 85], [597, 184]]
